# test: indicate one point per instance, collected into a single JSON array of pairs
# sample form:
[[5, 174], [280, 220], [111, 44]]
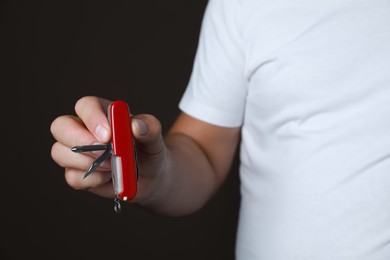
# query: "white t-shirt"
[[309, 82]]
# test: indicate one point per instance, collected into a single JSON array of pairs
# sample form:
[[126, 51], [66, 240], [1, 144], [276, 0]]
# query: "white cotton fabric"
[[309, 82]]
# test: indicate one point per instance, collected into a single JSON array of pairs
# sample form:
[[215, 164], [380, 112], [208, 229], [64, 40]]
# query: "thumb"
[[147, 134]]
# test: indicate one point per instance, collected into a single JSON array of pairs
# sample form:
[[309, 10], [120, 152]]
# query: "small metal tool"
[[122, 151], [99, 160]]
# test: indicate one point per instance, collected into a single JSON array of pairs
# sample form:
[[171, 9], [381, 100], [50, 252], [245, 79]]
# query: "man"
[[304, 88]]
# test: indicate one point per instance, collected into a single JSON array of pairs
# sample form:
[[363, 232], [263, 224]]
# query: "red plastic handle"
[[124, 160]]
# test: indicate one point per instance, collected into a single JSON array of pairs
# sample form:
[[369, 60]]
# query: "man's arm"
[[199, 159]]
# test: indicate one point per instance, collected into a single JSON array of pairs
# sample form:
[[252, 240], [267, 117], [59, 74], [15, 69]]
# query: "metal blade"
[[97, 162], [88, 148]]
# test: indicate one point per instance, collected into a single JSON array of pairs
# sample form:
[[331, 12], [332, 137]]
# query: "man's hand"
[[178, 172], [92, 127]]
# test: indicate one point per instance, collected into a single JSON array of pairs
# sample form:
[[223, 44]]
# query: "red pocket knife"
[[122, 151]]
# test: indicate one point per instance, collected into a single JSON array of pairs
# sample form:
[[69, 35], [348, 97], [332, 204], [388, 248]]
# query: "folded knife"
[[122, 151]]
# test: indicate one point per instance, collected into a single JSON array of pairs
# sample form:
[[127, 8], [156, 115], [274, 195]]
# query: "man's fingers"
[[64, 157], [92, 111], [70, 131], [147, 133], [75, 179]]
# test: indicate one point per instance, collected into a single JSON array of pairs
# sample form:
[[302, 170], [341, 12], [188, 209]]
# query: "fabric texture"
[[309, 83]]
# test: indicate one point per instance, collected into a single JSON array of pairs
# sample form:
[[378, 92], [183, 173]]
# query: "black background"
[[53, 53]]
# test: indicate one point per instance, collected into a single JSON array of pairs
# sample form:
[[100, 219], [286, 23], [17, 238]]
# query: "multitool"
[[122, 151]]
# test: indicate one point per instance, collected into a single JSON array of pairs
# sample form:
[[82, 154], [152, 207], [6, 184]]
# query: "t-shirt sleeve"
[[217, 87]]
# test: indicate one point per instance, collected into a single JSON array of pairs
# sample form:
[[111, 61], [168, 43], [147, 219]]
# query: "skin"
[[179, 172]]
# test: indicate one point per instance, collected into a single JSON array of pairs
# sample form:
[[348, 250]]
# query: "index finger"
[[93, 112]]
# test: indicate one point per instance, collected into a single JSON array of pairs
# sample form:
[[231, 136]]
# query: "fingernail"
[[102, 133], [139, 126]]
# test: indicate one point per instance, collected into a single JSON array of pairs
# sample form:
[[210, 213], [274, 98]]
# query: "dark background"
[[53, 53]]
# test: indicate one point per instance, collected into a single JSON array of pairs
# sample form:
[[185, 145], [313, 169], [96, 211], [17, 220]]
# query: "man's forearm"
[[187, 180]]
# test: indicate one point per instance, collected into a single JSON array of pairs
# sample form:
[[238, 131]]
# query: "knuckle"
[[54, 126], [82, 102], [56, 153], [73, 179]]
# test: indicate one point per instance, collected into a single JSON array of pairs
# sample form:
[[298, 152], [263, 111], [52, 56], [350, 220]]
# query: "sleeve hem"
[[210, 114]]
